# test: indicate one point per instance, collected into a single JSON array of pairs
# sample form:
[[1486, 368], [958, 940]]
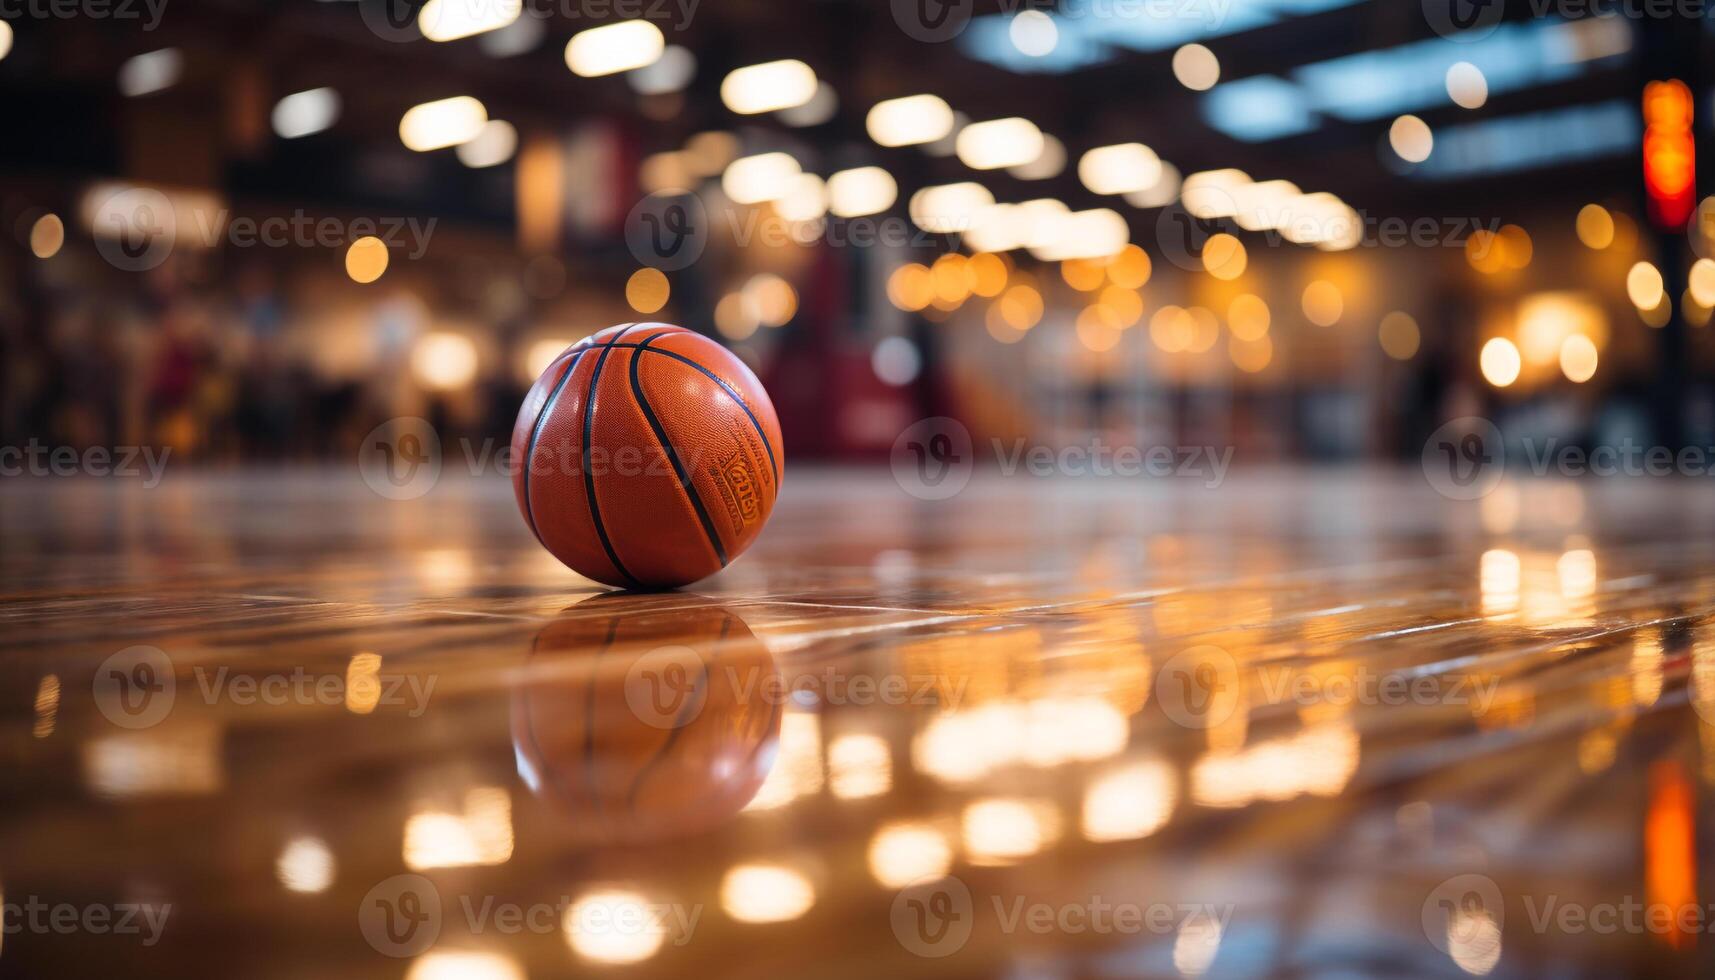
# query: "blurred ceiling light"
[[1130, 803], [614, 926], [769, 299], [1094, 234], [444, 361], [1047, 164], [1130, 269], [1033, 33], [1265, 205], [902, 853], [1251, 356], [449, 20], [305, 865], [151, 72], [1467, 86], [733, 320], [766, 893], [708, 153], [1124, 168], [815, 112], [1083, 275], [515, 38], [995, 228], [647, 290], [303, 113], [464, 964], [1578, 358], [805, 198], [668, 73], [861, 191], [759, 178], [539, 355], [1040, 219], [911, 287], [47, 236], [1644, 286], [997, 143], [1399, 336], [768, 87], [1196, 67], [1213, 193], [1163, 192], [1411, 139], [1322, 303], [895, 362], [5, 39], [1500, 362], [366, 259], [612, 48], [1702, 285], [910, 120], [1247, 316], [1595, 226], [1224, 257], [665, 171], [1004, 830], [443, 123], [494, 144], [948, 207]]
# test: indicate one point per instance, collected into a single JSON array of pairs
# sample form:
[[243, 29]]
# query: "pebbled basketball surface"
[[650, 456]]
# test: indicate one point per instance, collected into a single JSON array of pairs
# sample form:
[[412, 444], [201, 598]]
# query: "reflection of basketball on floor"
[[646, 716]]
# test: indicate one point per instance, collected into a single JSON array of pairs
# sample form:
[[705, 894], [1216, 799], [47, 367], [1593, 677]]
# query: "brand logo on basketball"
[[665, 688], [401, 916], [1463, 917], [743, 486], [1199, 687], [400, 459], [136, 687], [1465, 458], [933, 917]]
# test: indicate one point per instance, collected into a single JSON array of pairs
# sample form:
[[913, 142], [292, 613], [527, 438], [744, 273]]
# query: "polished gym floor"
[[274, 724]]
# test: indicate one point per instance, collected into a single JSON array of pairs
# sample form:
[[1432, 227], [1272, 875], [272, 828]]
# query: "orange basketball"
[[647, 456], [637, 736]]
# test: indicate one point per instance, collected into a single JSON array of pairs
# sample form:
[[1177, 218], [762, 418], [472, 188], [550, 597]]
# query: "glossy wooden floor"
[[1301, 725]]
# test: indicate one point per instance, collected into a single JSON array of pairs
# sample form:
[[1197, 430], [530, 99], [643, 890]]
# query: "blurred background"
[[1307, 229]]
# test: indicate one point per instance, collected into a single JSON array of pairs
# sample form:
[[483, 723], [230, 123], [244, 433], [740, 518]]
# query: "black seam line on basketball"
[[590, 766], [678, 464], [589, 477], [535, 434], [685, 716], [730, 390]]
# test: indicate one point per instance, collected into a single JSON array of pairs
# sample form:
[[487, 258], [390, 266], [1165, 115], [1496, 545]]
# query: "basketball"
[[634, 734], [647, 457]]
